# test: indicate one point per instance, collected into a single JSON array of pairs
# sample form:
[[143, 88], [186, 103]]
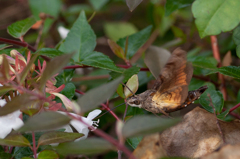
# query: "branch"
[[235, 107]]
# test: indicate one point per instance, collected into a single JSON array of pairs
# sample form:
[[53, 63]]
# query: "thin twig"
[[216, 55], [235, 107], [88, 78], [139, 53], [217, 122], [34, 145]]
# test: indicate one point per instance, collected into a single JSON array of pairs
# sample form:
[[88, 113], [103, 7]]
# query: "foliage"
[[110, 54]]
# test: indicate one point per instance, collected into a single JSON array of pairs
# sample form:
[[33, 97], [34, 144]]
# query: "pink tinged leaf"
[[55, 107], [39, 66], [15, 53], [132, 4], [116, 49], [10, 59], [28, 56], [132, 84], [60, 88], [68, 104], [5, 68]]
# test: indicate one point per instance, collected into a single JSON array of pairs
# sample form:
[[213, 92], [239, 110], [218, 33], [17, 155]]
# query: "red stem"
[[34, 145], [235, 107], [105, 106]]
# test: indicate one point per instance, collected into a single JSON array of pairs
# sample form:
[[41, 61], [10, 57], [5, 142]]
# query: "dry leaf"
[[198, 135], [226, 152], [150, 148], [227, 60]]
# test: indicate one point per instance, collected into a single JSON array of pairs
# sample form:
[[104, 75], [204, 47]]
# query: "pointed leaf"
[[48, 154], [215, 16], [17, 103], [217, 101], [155, 59], [232, 71], [120, 91], [146, 124], [85, 147], [45, 121], [5, 68], [58, 137], [134, 141], [54, 66], [135, 41], [127, 73], [50, 52], [20, 28], [26, 69], [5, 89], [132, 4], [15, 140], [96, 96], [97, 5], [81, 39], [99, 60], [132, 84], [116, 49], [172, 5], [236, 35], [4, 46]]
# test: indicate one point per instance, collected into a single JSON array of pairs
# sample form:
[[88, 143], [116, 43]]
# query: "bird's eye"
[[137, 102]]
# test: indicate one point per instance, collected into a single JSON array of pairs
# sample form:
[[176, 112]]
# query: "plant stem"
[[235, 107], [216, 55], [34, 145], [105, 106]]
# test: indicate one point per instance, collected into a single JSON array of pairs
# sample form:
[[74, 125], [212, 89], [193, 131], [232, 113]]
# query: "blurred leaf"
[[16, 103], [134, 141], [97, 5], [238, 97], [217, 100], [53, 67], [155, 59], [236, 35], [45, 121], [215, 16], [45, 6], [80, 39], [15, 140], [57, 137], [20, 28], [132, 84], [179, 33], [4, 89], [132, 4], [120, 91], [135, 41], [232, 71], [5, 68], [127, 73], [48, 154], [172, 5], [5, 155], [26, 69], [238, 51], [69, 90], [98, 95], [116, 49], [4, 46], [20, 152], [123, 29], [99, 60], [223, 115], [85, 147], [50, 52], [146, 124]]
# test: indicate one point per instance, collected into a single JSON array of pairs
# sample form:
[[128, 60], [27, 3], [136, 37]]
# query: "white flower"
[[63, 32], [79, 126], [9, 122]]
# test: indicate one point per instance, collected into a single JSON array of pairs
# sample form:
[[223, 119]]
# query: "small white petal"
[[94, 114], [63, 32], [2, 102]]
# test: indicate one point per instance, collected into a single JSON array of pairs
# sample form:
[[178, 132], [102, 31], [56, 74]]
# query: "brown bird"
[[170, 92]]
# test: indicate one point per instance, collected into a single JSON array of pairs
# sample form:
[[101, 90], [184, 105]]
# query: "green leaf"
[[232, 71], [116, 49], [120, 91], [15, 140], [48, 154], [238, 97], [80, 39], [50, 52], [208, 63], [238, 51], [4, 46], [17, 103], [5, 89], [135, 41], [98, 95], [85, 147], [53, 67], [99, 60], [5, 155], [123, 29], [217, 100], [127, 73], [236, 35], [97, 5], [132, 4], [57, 137], [69, 90], [223, 115], [45, 121], [215, 16], [131, 84], [20, 28], [134, 141], [146, 124], [172, 5]]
